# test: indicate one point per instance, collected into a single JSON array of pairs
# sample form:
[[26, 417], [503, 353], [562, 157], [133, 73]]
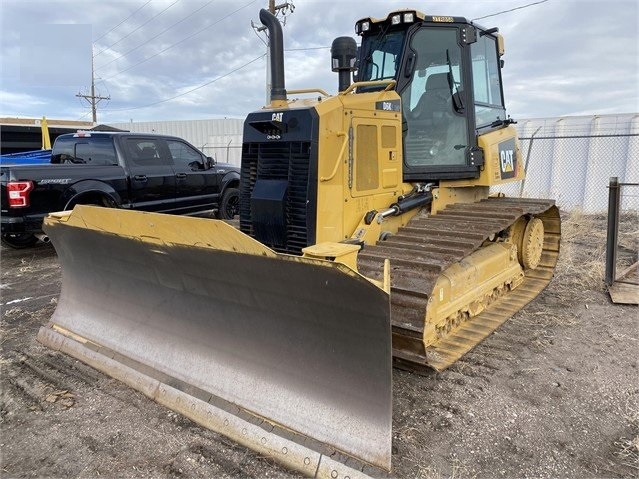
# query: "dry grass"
[[627, 449], [581, 266], [582, 259]]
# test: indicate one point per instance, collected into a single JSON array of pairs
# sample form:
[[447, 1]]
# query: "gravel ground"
[[553, 393]]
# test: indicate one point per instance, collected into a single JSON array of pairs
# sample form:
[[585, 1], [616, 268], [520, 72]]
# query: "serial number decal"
[[443, 19], [55, 181]]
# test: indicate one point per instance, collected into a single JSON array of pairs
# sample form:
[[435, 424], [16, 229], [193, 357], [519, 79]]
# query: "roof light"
[[409, 17], [396, 19], [366, 26]]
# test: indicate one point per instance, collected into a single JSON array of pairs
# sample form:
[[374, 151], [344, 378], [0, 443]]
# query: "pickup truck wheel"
[[18, 240], [230, 204]]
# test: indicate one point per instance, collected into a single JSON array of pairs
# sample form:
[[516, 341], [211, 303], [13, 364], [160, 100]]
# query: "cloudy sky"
[[198, 59]]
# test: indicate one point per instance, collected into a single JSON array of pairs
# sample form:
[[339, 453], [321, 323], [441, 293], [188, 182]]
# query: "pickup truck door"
[[153, 182], [197, 185]]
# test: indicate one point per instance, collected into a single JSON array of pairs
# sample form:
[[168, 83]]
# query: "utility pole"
[[92, 98], [282, 9]]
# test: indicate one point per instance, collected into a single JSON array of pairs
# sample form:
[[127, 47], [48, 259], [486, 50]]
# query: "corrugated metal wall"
[[221, 139], [570, 159]]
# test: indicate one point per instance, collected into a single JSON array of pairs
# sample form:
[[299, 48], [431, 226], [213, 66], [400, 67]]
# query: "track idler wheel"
[[532, 244]]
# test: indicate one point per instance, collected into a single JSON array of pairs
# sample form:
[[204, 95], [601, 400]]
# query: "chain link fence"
[[225, 153], [572, 160]]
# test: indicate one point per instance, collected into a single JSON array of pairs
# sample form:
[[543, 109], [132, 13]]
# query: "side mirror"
[[210, 162]]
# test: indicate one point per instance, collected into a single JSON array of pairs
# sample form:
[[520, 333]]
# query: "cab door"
[[152, 179], [439, 131]]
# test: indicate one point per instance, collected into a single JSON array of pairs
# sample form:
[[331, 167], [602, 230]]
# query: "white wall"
[[570, 159], [221, 139]]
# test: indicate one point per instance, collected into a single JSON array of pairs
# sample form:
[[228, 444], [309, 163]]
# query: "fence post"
[[614, 195], [532, 138]]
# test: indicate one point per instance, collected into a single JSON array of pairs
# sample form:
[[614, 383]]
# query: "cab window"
[[95, 151], [489, 105], [185, 155], [87, 151], [147, 152], [381, 57]]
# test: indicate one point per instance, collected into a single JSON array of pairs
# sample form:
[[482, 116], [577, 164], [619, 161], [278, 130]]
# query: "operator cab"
[[448, 75]]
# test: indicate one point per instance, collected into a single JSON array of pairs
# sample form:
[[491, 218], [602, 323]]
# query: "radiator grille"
[[279, 161]]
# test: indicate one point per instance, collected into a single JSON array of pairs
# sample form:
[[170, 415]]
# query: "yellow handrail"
[[339, 159], [389, 85], [307, 90]]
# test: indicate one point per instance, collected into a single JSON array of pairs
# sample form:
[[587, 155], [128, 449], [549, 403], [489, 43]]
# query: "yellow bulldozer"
[[368, 237]]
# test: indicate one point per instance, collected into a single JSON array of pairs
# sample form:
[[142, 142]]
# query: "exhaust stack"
[[276, 45]]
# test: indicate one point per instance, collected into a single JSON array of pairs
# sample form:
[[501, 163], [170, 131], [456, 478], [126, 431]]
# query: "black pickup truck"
[[119, 170]]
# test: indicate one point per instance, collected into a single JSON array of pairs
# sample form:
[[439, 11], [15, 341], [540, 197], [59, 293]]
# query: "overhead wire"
[[196, 88], [156, 36], [181, 41], [510, 10], [109, 31], [136, 29], [304, 49]]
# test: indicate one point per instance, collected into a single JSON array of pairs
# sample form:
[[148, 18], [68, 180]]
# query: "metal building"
[[221, 139], [24, 134]]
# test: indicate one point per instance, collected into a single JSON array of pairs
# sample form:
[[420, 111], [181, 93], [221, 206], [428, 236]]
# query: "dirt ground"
[[553, 393]]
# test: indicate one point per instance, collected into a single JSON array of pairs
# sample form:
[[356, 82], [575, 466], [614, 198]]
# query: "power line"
[[109, 31], [304, 49], [194, 89], [511, 10], [159, 34], [181, 41], [135, 30]]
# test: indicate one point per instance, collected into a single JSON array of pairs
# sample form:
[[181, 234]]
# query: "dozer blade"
[[287, 355]]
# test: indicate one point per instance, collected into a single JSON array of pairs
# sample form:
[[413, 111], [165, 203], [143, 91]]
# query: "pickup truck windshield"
[[86, 151]]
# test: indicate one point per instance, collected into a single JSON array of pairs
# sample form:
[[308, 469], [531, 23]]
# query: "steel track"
[[426, 246]]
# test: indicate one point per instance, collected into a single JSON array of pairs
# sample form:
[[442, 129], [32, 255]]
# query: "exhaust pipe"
[[276, 44], [42, 237]]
